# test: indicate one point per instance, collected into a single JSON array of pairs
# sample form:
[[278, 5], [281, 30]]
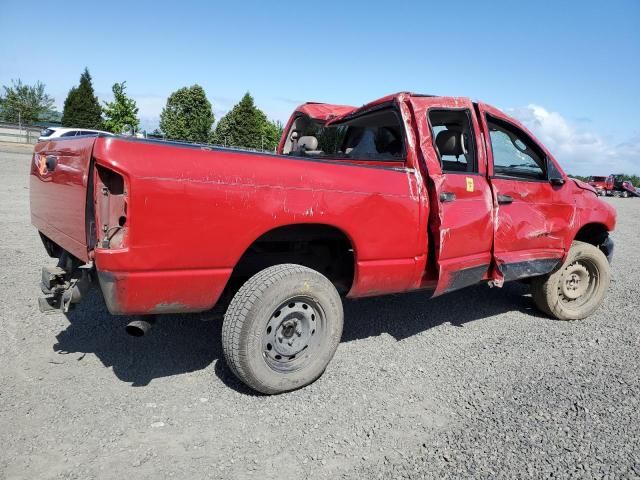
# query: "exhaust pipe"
[[140, 327]]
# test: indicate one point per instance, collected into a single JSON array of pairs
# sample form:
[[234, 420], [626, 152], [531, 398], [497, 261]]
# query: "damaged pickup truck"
[[409, 192]]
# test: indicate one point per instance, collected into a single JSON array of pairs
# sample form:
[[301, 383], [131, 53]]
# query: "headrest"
[[449, 142], [307, 143]]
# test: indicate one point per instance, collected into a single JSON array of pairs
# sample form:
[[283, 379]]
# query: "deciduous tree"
[[188, 115], [24, 103], [122, 112]]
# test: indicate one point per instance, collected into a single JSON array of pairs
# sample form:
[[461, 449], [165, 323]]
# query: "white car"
[[56, 132]]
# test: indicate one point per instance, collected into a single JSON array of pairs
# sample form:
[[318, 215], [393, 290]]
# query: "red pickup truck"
[[614, 186], [599, 183], [407, 192]]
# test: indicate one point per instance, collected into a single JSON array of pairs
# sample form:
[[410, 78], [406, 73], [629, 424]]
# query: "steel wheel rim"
[[578, 284], [293, 334]]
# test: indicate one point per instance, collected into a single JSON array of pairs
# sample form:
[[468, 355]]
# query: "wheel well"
[[323, 248], [593, 233]]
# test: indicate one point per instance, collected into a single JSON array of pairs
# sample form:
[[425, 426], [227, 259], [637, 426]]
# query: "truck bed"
[[190, 212]]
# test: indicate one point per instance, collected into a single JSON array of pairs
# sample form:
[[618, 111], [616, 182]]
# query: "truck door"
[[461, 221], [531, 216]]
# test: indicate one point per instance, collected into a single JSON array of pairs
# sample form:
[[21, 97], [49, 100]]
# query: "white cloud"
[[579, 150], [149, 109], [150, 106]]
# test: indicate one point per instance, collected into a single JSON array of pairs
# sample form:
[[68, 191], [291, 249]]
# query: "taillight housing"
[[111, 197]]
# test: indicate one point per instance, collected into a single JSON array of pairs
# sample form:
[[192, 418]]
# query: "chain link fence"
[[12, 132]]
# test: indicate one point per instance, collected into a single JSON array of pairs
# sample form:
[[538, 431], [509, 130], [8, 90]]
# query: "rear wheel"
[[282, 328], [577, 289]]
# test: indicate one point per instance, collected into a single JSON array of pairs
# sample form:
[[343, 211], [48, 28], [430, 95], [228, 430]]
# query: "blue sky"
[[569, 70]]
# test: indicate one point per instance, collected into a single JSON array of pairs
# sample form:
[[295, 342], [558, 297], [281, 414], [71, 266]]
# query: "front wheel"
[[625, 194], [577, 289], [282, 328]]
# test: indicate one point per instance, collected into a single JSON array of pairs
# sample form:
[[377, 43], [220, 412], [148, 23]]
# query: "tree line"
[[187, 116]]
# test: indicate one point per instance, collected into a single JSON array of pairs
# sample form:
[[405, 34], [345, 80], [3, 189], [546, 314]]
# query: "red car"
[[407, 192]]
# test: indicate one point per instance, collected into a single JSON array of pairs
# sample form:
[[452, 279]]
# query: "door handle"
[[51, 162], [504, 199], [447, 197]]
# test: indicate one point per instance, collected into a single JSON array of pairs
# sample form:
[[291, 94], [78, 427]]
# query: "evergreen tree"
[[122, 112], [188, 115], [247, 126], [24, 103], [81, 107]]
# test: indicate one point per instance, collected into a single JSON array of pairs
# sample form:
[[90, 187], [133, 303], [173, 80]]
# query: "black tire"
[[625, 194], [282, 328], [577, 289]]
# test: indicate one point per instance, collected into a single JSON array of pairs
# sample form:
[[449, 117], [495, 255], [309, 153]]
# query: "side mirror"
[[555, 177]]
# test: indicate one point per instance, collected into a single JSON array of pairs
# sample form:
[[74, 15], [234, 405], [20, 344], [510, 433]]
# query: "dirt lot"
[[472, 384]]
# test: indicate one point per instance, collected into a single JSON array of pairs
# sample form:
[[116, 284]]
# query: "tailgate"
[[58, 191]]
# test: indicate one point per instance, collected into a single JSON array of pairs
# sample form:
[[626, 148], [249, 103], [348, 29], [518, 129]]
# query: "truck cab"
[[483, 176]]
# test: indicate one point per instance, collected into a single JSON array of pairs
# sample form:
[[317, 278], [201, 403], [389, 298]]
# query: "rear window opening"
[[376, 136]]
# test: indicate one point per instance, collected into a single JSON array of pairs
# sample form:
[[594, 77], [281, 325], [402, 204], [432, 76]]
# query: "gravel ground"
[[472, 384]]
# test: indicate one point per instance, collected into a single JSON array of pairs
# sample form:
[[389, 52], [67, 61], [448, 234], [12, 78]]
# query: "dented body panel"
[[58, 191], [468, 215], [535, 230], [166, 223], [198, 224]]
